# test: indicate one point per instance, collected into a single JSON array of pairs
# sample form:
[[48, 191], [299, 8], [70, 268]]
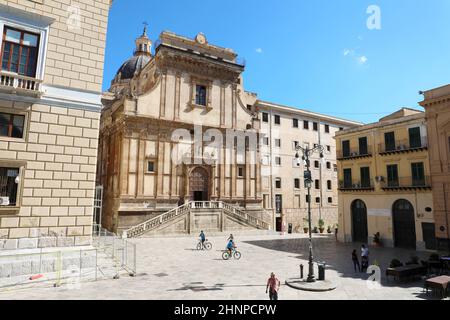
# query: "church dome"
[[132, 66], [142, 56]]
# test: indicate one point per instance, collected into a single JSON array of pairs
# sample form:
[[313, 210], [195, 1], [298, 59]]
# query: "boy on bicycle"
[[230, 246], [202, 237]]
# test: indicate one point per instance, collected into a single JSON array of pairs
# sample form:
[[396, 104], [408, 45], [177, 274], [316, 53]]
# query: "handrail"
[[184, 209], [17, 81]]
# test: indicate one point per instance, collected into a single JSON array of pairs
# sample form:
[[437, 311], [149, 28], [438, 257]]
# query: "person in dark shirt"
[[356, 261]]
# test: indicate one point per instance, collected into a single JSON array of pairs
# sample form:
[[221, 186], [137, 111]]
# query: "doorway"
[[360, 231], [199, 185], [404, 224]]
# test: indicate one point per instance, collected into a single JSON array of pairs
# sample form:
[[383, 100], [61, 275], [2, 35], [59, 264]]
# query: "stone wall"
[[59, 155], [297, 216]]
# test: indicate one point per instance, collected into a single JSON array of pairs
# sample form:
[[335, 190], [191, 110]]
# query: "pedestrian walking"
[[355, 260], [273, 286], [364, 258]]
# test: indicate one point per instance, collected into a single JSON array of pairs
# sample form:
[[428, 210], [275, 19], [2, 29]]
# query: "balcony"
[[407, 183], [354, 153], [17, 84], [403, 146], [356, 186]]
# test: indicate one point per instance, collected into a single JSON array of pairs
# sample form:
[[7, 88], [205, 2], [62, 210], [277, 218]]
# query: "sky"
[[337, 57]]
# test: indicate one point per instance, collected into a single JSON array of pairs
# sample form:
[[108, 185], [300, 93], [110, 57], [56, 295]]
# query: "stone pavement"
[[171, 269]]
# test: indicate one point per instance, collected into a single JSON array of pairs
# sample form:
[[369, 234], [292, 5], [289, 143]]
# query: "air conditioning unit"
[[4, 201]]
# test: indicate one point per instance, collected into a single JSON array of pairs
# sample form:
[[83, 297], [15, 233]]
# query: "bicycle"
[[204, 246], [234, 253]]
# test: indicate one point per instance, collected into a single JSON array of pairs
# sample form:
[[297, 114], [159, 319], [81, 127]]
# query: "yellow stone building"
[[384, 182], [51, 75]]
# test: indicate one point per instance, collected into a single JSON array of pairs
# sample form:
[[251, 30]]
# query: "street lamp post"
[[308, 183]]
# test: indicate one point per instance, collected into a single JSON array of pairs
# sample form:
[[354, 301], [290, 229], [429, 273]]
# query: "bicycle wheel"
[[208, 246], [199, 246], [237, 255], [225, 255]]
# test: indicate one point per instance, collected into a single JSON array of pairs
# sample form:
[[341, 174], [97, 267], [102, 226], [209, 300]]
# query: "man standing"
[[273, 286], [364, 258]]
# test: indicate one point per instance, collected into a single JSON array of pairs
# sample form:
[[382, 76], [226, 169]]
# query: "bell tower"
[[143, 44]]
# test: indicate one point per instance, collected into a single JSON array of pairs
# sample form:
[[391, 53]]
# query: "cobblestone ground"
[[172, 269]]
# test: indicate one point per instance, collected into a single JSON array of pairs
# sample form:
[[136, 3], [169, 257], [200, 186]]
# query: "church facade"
[[171, 132], [178, 127]]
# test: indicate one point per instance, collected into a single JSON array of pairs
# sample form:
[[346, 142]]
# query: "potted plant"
[[316, 230], [395, 263], [306, 225], [321, 225], [377, 240], [329, 230]]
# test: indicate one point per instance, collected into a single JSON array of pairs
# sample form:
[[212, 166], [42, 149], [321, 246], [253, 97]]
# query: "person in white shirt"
[[364, 258]]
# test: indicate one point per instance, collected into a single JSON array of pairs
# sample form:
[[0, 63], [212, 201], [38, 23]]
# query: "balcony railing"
[[354, 153], [403, 146], [20, 84], [356, 186], [407, 183]]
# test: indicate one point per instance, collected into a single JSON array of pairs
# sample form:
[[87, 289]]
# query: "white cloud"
[[259, 50], [348, 52], [363, 60]]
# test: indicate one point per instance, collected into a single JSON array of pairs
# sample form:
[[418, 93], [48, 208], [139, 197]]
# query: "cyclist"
[[230, 246], [202, 238]]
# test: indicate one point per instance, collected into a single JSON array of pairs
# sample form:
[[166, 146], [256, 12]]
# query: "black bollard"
[[301, 271]]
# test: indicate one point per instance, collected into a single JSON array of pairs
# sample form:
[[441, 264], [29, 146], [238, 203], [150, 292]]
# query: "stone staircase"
[[205, 206]]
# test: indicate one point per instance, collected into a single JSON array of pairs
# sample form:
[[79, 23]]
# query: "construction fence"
[[109, 258]]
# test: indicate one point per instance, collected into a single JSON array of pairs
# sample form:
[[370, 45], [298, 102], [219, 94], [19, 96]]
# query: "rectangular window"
[[297, 183], [392, 176], [389, 141], [316, 164], [315, 126], [418, 174], [318, 200], [20, 52], [329, 165], [265, 117], [328, 148], [278, 143], [327, 128], [278, 183], [306, 125], [266, 141], [346, 148], [365, 177], [241, 171], [330, 200], [151, 166], [329, 185], [278, 161], [363, 148], [8, 186], [348, 178], [415, 140], [317, 184], [277, 119], [295, 123], [200, 95], [295, 144], [11, 125], [307, 198]]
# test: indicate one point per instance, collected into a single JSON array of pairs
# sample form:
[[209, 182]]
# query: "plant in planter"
[[321, 225], [306, 225], [413, 260], [316, 230], [329, 230], [377, 240], [395, 263]]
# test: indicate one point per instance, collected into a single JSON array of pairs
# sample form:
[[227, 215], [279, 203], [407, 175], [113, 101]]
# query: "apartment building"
[[52, 55], [384, 182], [437, 105], [283, 190]]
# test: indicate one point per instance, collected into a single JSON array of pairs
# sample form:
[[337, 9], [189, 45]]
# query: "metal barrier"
[[122, 251]]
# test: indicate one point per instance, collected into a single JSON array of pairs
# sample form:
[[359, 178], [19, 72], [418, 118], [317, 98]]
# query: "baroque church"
[[156, 184]]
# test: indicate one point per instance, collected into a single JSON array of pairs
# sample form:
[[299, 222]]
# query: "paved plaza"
[[171, 269]]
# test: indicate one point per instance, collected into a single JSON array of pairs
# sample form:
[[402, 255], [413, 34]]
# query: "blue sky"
[[311, 54]]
